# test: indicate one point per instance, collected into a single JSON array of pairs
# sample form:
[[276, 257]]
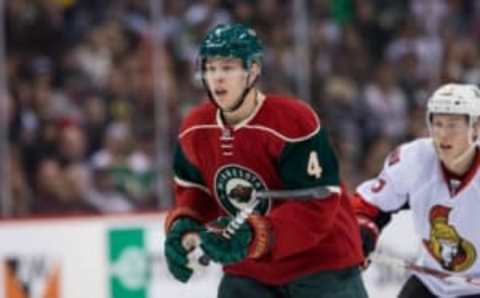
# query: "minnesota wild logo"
[[234, 185]]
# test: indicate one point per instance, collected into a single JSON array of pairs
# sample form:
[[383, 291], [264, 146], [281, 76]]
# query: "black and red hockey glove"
[[369, 233]]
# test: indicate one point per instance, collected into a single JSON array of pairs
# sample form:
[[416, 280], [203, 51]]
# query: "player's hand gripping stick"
[[197, 258]]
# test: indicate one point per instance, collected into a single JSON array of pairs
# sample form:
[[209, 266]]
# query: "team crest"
[[234, 185], [394, 157], [452, 252]]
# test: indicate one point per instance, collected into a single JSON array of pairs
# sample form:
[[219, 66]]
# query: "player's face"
[[451, 136], [227, 79]]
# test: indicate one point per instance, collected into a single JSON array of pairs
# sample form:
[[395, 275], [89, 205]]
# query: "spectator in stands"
[[59, 53]]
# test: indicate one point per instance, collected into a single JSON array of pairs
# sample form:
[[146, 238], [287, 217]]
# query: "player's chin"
[[447, 157], [223, 103], [444, 155], [226, 107]]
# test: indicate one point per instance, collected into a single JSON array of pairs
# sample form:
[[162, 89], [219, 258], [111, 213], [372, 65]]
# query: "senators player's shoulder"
[[412, 161], [289, 117], [412, 152]]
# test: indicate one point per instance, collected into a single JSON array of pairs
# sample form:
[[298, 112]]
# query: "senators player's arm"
[[377, 199]]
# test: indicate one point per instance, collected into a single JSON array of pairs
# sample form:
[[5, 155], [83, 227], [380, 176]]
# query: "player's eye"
[[227, 67], [210, 68]]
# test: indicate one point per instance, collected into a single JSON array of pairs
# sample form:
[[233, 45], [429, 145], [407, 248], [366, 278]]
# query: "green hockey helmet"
[[232, 40]]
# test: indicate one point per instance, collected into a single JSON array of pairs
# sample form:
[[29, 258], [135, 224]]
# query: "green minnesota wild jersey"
[[280, 146]]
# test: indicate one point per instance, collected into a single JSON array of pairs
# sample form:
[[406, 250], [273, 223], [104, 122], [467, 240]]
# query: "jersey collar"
[[462, 179], [261, 99]]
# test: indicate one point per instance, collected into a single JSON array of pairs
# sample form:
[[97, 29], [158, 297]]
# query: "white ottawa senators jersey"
[[446, 214]]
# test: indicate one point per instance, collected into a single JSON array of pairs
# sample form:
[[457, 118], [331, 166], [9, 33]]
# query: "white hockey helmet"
[[461, 99]]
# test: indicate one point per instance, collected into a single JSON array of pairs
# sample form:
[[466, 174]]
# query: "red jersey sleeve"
[[301, 226]]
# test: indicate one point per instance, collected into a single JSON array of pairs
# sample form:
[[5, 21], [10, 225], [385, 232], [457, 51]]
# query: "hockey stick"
[[306, 194], [401, 264], [319, 192]]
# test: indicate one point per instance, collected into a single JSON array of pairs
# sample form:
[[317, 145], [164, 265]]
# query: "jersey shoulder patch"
[[411, 161], [393, 157], [288, 117]]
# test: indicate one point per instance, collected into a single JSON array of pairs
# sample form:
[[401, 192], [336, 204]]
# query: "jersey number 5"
[[313, 166]]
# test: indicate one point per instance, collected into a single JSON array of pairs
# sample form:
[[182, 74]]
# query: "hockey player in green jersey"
[[242, 140]]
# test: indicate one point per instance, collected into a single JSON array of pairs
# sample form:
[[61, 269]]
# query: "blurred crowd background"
[[81, 96]]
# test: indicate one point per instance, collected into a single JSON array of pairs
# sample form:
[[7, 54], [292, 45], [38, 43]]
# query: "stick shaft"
[[307, 194], [410, 266], [314, 193]]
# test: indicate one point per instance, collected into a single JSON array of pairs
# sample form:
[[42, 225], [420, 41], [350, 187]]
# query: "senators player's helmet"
[[461, 99], [232, 40]]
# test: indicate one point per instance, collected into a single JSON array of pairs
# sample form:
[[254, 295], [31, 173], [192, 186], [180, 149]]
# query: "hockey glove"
[[175, 252], [251, 240], [369, 233]]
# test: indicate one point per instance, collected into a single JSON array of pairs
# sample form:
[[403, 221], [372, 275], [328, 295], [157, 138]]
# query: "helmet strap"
[[473, 143], [243, 96]]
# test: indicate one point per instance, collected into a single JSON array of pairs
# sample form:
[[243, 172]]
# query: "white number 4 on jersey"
[[313, 166]]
